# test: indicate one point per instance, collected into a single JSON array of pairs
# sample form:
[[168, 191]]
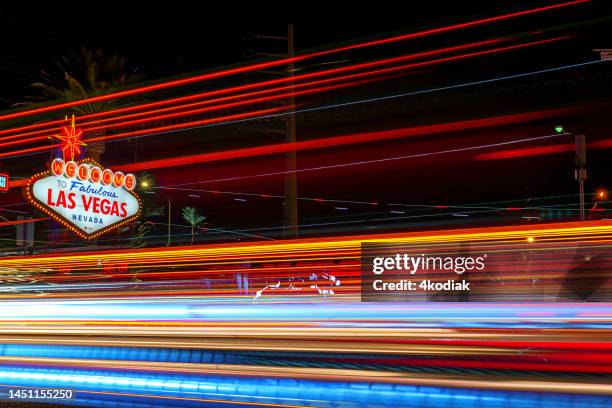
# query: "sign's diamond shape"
[[86, 207]]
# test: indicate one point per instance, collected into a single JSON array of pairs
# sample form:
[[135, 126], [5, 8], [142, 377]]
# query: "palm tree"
[[191, 216], [84, 74]]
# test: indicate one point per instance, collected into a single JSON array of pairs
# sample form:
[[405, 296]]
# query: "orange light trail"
[[324, 246]]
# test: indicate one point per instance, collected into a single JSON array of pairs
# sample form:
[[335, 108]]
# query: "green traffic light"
[[559, 129]]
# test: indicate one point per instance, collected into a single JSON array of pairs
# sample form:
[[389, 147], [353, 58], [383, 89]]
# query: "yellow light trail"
[[317, 248]]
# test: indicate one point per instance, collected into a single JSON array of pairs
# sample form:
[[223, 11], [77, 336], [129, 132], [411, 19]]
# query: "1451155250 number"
[[39, 393]]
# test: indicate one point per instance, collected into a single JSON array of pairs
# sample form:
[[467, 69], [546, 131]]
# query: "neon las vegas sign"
[[84, 197]]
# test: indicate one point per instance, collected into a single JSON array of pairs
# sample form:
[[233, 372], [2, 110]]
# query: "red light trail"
[[231, 90], [196, 123], [525, 152], [285, 61], [274, 97], [42, 134], [335, 141], [345, 140], [159, 129], [540, 150], [377, 160], [244, 87], [382, 71]]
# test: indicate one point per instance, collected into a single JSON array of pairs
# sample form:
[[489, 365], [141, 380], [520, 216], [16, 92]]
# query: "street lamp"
[[601, 195]]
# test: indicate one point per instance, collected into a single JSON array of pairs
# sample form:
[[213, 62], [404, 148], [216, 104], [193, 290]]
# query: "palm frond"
[[191, 216]]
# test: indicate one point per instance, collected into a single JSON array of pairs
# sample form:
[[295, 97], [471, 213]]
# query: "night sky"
[[161, 44]]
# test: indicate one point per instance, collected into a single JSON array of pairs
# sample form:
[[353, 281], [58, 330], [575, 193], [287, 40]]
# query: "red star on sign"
[[71, 141]]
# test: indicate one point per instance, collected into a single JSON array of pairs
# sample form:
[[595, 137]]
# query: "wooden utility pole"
[[291, 204]]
